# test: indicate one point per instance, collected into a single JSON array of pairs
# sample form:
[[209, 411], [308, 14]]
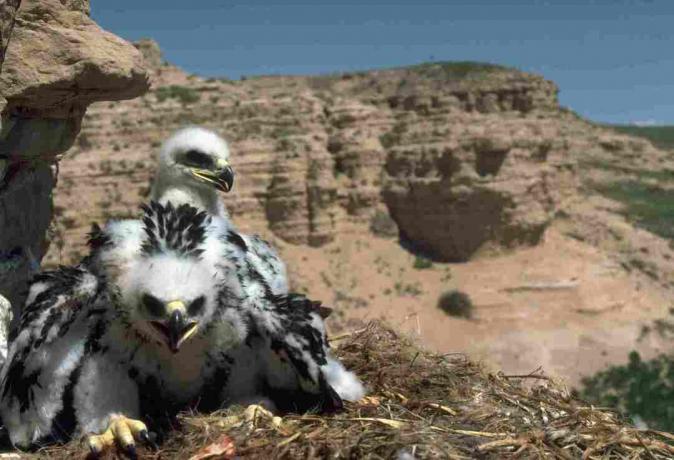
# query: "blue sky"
[[613, 59]]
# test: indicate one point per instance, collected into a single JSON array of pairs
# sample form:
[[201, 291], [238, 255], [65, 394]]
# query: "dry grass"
[[428, 405]]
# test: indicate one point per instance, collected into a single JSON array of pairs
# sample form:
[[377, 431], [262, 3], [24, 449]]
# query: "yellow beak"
[[222, 178], [177, 330]]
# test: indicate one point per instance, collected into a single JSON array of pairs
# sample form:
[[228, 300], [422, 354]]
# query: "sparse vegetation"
[[662, 175], [422, 263], [106, 165], [381, 224], [182, 93], [640, 389], [456, 303], [393, 137], [648, 206], [457, 70], [408, 289], [660, 136]]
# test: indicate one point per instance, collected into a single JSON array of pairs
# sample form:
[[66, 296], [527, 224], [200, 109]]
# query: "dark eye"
[[198, 159], [196, 306], [153, 305]]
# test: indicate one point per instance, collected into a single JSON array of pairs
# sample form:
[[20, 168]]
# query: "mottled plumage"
[[193, 163], [165, 314]]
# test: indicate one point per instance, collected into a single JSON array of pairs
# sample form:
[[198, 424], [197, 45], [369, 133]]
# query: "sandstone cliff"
[[57, 62], [463, 157], [459, 160]]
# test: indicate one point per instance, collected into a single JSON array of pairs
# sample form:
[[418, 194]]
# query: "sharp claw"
[[130, 451], [122, 432], [148, 439], [95, 447]]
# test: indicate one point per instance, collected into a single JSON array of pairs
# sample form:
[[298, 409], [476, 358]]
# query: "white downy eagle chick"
[[118, 344], [193, 166]]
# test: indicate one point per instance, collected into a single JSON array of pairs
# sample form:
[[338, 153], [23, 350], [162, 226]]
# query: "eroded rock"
[[151, 53], [465, 158], [58, 61]]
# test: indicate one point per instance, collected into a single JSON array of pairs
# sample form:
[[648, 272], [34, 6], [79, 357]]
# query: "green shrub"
[[457, 70], [422, 263], [649, 207], [184, 94], [643, 389], [660, 136], [456, 303]]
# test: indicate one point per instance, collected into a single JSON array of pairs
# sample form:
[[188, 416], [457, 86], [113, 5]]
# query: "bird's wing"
[[268, 263], [113, 248], [46, 349], [253, 254], [295, 351]]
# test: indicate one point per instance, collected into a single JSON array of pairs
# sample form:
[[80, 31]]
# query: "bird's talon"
[[121, 431], [130, 451], [255, 413], [148, 439]]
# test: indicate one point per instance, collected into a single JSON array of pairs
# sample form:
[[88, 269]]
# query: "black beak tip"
[[227, 178]]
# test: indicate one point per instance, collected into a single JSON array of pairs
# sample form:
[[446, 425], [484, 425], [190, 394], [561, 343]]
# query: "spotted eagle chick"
[[193, 168], [119, 343]]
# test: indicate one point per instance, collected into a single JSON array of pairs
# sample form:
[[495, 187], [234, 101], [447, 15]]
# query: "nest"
[[420, 405]]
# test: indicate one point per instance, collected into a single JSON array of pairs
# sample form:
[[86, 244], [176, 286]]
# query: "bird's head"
[[194, 160], [169, 289], [172, 299]]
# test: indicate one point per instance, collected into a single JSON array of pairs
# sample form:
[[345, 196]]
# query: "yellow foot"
[[256, 414], [121, 431]]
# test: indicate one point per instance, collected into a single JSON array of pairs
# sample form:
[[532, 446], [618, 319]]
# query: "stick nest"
[[419, 405]]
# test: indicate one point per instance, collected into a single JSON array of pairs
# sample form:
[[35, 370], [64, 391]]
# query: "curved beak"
[[177, 330], [222, 178]]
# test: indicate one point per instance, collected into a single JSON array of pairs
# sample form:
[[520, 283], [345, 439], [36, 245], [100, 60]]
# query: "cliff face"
[[464, 157], [468, 159], [57, 61], [459, 160]]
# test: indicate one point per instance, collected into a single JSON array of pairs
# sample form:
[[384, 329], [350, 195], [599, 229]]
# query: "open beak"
[[222, 178], [177, 330]]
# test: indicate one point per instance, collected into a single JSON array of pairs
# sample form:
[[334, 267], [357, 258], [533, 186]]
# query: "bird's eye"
[[198, 159], [153, 305], [196, 306]]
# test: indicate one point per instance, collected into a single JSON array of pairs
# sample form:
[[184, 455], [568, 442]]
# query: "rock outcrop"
[[464, 157], [458, 159], [58, 62], [7, 14], [151, 52]]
